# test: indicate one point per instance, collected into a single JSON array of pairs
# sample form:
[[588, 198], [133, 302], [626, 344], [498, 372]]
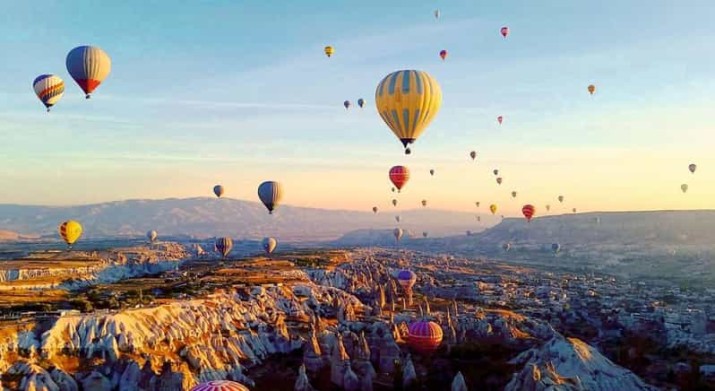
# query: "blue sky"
[[235, 92]]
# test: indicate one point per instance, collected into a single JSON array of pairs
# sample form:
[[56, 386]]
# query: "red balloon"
[[399, 175], [424, 336], [500, 119], [504, 31], [443, 54], [528, 211]]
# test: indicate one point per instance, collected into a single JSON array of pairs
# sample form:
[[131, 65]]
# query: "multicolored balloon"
[[88, 66], [224, 246], [399, 175], [49, 89], [424, 337], [528, 210], [220, 385], [504, 31], [408, 101], [361, 102], [406, 279], [152, 235], [270, 193], [70, 231]]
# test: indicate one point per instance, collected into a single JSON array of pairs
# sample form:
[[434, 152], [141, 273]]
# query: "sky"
[[238, 92]]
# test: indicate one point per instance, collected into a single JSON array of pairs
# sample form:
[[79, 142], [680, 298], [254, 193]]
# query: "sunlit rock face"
[[570, 364]]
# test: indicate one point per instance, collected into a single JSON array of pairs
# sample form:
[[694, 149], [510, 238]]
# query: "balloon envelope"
[[218, 190], [224, 246], [49, 89], [152, 235], [346, 104], [408, 101], [692, 167], [70, 231], [397, 233], [528, 210], [473, 155], [406, 278], [424, 336], [443, 54], [329, 50], [361, 102], [88, 66], [399, 175], [555, 247], [431, 172], [684, 187], [504, 31], [591, 89], [220, 385], [561, 198], [499, 180], [374, 209], [269, 245], [506, 246], [500, 119], [270, 193], [493, 208]]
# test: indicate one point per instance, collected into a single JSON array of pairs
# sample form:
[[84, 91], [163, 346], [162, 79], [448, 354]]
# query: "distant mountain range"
[[206, 217]]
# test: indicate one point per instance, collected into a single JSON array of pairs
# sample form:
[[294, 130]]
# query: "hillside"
[[206, 217]]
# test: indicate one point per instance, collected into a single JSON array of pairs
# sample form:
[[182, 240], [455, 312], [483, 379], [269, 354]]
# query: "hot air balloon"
[[436, 14], [424, 337], [684, 187], [500, 119], [399, 175], [443, 54], [269, 244], [473, 155], [406, 279], [513, 194], [493, 208], [220, 385], [398, 233], [431, 172], [329, 50], [528, 211], [573, 210], [479, 218], [152, 235], [88, 66], [504, 31], [548, 207], [270, 193], [506, 246], [408, 101], [591, 89], [70, 231], [469, 233], [394, 202], [218, 190], [477, 203], [374, 209], [424, 202], [346, 104], [424, 234], [692, 167], [49, 89], [561, 198], [496, 172], [361, 102], [393, 189], [224, 246], [555, 247], [397, 218], [499, 180]]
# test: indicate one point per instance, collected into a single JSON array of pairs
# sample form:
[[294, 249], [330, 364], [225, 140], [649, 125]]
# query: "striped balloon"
[[49, 88], [424, 336], [88, 66], [408, 101], [399, 175], [270, 193], [528, 211], [220, 385], [224, 246]]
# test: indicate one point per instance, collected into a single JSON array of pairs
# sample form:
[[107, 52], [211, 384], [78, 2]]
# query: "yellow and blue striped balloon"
[[408, 101], [49, 88]]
